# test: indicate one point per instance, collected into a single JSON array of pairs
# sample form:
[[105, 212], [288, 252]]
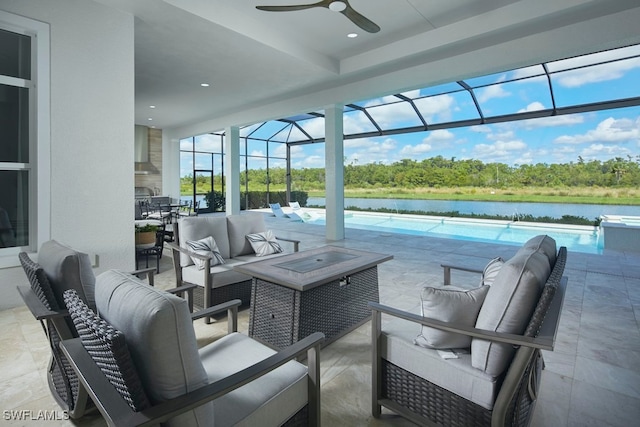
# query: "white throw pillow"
[[208, 247], [449, 305], [491, 271], [264, 243]]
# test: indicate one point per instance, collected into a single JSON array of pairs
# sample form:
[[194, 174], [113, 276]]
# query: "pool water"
[[575, 238]]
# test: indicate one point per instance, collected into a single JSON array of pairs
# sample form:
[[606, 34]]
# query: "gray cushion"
[[455, 375], [544, 244], [199, 227], [491, 271], [449, 305], [221, 275], [285, 389], [67, 268], [241, 225], [161, 339], [508, 307]]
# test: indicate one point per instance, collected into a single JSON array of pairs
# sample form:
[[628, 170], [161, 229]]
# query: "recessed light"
[[352, 35], [337, 6], [152, 106], [204, 84], [149, 118]]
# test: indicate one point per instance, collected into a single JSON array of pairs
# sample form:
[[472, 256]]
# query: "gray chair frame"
[[517, 396], [118, 413]]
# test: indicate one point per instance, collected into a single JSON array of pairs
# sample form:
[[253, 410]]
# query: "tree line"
[[442, 172], [449, 172]]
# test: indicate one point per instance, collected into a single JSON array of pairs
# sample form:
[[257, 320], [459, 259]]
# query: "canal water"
[[554, 210]]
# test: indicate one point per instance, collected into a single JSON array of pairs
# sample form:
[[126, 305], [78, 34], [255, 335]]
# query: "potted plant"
[[146, 235]]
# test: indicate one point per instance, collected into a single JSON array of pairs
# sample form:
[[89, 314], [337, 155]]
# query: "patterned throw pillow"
[[264, 243], [491, 271], [208, 247], [453, 306]]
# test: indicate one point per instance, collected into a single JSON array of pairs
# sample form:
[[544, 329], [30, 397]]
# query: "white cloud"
[[491, 92], [437, 137], [499, 151], [602, 151], [609, 130], [534, 106], [480, 128], [370, 150], [552, 121], [501, 136], [436, 107], [597, 73]]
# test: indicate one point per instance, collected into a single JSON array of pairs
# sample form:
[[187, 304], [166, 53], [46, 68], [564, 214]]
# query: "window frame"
[[39, 165]]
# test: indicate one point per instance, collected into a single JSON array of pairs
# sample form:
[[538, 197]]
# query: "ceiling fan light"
[[337, 6]]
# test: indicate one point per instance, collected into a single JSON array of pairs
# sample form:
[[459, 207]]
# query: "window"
[[24, 140]]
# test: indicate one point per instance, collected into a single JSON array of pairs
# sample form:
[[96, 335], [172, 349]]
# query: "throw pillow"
[[491, 271], [264, 243], [207, 247], [448, 305]]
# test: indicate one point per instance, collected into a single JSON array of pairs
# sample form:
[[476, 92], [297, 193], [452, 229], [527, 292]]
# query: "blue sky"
[[599, 135]]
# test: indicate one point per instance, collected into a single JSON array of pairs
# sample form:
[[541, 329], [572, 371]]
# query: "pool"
[[575, 237]]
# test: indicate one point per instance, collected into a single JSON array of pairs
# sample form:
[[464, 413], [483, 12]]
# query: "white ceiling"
[[264, 65]]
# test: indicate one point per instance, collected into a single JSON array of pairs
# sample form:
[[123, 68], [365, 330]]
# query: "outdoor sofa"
[[206, 249]]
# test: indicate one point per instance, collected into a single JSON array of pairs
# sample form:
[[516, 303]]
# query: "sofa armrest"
[[118, 413], [149, 272], [541, 342], [448, 267], [231, 307], [296, 243]]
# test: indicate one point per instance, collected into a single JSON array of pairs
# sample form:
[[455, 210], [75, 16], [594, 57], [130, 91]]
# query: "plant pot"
[[145, 239]]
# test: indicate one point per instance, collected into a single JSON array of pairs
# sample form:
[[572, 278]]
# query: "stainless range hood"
[[142, 165]]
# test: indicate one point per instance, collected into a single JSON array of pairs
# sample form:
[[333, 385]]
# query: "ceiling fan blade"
[[360, 20], [322, 3]]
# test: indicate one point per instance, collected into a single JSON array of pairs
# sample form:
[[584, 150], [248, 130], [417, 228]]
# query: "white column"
[[232, 169], [334, 172]]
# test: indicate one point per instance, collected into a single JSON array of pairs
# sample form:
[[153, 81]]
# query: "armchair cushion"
[[455, 375], [239, 227], [206, 246], [543, 244], [166, 370], [67, 268], [285, 389], [491, 271], [264, 243], [199, 227], [449, 305], [508, 307]]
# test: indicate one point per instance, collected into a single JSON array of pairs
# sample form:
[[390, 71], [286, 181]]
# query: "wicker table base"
[[334, 303]]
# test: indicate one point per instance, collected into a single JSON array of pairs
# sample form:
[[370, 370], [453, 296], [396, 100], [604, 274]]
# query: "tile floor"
[[591, 379]]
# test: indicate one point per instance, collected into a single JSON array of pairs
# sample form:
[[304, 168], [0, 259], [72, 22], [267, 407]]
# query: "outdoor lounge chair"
[[495, 381], [277, 211], [141, 364]]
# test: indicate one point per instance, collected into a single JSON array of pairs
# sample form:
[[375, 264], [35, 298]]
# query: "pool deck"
[[591, 379]]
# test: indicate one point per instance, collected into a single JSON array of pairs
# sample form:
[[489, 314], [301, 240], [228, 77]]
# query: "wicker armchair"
[[140, 362], [509, 398], [60, 268]]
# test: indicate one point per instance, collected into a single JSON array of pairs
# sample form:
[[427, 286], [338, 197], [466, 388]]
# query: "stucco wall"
[[92, 127]]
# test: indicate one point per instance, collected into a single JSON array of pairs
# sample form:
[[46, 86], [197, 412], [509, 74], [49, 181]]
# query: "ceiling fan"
[[336, 6]]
